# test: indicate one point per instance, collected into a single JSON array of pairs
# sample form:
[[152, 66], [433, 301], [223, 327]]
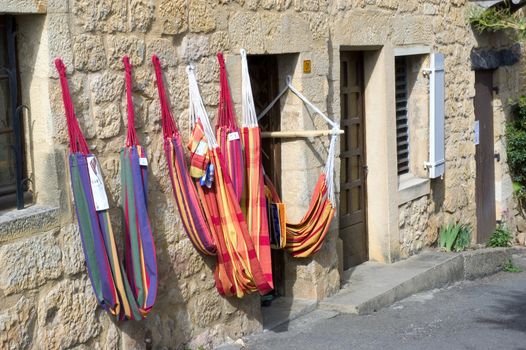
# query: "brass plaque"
[[307, 66]]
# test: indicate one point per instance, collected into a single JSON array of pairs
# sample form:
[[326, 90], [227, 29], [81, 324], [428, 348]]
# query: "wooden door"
[[353, 204], [485, 156], [263, 71]]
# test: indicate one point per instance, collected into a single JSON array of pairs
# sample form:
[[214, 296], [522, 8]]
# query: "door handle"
[[365, 169]]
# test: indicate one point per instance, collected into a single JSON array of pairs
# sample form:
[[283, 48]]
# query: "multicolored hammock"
[[305, 238], [227, 131], [254, 202], [127, 290], [238, 271], [196, 221]]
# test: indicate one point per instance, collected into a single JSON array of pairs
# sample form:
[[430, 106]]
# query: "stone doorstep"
[[371, 286]]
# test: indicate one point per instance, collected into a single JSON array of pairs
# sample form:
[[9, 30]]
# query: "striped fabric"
[[126, 290], [193, 214], [305, 238], [199, 157], [228, 133], [238, 271], [254, 202], [278, 217]]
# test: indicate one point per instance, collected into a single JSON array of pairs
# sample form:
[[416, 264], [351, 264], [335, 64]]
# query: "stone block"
[[107, 120], [121, 45], [29, 263], [59, 42], [193, 47], [172, 15], [89, 53], [17, 223], [16, 325], [107, 16], [483, 262], [106, 87], [67, 315], [200, 16], [142, 16], [73, 260], [164, 49]]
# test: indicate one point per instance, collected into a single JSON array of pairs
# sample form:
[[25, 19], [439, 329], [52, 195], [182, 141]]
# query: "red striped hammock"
[[239, 269]]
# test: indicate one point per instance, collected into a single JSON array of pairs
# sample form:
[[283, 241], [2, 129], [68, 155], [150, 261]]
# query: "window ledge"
[[411, 187], [15, 223]]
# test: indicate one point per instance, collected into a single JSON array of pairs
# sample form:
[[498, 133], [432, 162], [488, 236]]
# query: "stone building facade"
[[47, 301]]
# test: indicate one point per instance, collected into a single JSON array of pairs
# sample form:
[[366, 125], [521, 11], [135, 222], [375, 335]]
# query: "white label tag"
[[233, 136], [201, 148], [477, 132], [97, 184], [143, 161]]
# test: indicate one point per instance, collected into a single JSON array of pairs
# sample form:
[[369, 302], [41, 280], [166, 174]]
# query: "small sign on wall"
[[307, 68], [476, 128]]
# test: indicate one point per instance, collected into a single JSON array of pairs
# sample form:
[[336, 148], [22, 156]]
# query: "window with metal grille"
[[402, 123], [11, 145]]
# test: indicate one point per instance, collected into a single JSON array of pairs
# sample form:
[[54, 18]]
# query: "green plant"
[[501, 237], [516, 148], [454, 236], [509, 267], [496, 19], [463, 239]]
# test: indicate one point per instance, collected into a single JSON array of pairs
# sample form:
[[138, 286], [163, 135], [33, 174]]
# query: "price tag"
[[97, 184], [143, 161], [233, 136]]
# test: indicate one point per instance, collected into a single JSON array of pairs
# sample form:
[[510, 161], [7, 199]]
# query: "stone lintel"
[[485, 59], [23, 6]]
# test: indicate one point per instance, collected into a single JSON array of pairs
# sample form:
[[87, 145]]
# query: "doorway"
[[353, 202], [264, 78], [484, 156]]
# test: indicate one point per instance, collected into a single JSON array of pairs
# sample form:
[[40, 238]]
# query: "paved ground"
[[486, 314]]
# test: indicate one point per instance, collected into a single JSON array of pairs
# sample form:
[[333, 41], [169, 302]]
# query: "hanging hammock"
[[238, 271], [306, 237], [196, 221], [254, 202], [227, 131], [126, 290]]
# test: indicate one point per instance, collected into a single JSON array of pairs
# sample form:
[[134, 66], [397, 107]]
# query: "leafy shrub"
[[509, 267], [501, 237], [455, 237], [516, 143], [496, 19]]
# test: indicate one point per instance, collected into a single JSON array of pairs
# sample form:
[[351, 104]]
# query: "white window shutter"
[[436, 164]]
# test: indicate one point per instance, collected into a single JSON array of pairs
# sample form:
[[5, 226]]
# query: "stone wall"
[[47, 299]]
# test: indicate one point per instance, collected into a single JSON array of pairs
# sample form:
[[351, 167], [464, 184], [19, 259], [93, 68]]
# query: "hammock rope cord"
[[127, 293], [254, 202], [228, 133], [196, 221], [306, 237], [238, 271]]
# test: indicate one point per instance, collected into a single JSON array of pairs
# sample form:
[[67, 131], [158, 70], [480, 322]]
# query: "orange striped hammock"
[[306, 237], [243, 255]]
